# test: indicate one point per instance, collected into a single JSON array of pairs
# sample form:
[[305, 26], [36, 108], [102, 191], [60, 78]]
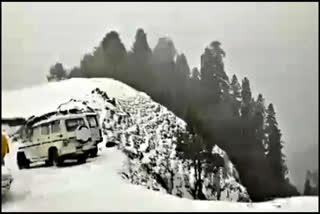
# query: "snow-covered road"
[[97, 186]]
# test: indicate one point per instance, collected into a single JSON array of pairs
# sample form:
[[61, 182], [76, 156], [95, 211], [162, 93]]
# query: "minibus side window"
[[45, 129], [72, 124], [36, 131], [55, 126], [29, 133], [92, 120]]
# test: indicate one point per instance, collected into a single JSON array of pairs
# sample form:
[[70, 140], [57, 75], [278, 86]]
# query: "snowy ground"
[[97, 185]]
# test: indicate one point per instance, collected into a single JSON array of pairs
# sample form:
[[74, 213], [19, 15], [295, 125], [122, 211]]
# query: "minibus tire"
[[82, 158], [94, 152], [22, 161], [54, 159]]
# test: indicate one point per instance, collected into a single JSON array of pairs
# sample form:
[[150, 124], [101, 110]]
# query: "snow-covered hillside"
[[147, 136], [145, 155]]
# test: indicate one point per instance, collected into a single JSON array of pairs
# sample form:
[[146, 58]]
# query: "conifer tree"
[[235, 87], [141, 49], [307, 187], [207, 64], [195, 74], [259, 120], [57, 72], [140, 62], [115, 54], [86, 65], [182, 68], [191, 147], [246, 98], [236, 95], [76, 72], [218, 54], [163, 61], [275, 145]]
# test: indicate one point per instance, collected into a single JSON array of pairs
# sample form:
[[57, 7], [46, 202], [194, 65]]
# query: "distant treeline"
[[311, 185], [218, 109]]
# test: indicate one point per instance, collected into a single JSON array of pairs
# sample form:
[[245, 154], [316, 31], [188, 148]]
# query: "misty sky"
[[274, 44]]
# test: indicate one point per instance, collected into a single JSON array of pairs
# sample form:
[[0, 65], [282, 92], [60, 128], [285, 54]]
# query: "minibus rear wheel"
[[22, 161], [54, 159], [94, 152]]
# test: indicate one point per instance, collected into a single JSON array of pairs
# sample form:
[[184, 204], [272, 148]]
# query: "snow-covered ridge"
[[45, 98]]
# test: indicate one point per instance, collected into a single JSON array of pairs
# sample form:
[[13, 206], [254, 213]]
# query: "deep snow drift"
[[97, 185]]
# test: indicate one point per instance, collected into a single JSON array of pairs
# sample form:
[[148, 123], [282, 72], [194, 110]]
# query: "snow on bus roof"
[[61, 116]]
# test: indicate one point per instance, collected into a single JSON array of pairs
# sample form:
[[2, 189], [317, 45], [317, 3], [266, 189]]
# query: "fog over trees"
[[218, 107]]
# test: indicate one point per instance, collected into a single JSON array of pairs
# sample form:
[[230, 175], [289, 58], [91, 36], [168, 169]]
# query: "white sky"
[[274, 44]]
